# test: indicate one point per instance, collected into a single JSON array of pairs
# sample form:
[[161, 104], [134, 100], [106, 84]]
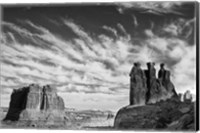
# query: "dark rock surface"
[[160, 88], [35, 103], [137, 85], [171, 114], [162, 109], [145, 88]]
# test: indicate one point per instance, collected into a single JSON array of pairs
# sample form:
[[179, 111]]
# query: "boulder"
[[140, 117], [186, 122], [35, 103], [171, 114]]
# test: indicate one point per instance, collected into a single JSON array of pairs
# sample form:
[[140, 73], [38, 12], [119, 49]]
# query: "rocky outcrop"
[[137, 85], [160, 88], [35, 103], [171, 114], [162, 109], [145, 88], [187, 96]]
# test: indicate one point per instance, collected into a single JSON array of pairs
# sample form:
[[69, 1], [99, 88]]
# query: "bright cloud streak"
[[94, 66]]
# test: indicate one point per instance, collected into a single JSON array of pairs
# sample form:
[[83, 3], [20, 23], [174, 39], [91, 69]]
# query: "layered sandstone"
[[35, 103]]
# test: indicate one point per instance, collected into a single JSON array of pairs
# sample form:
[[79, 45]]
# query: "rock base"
[[171, 114]]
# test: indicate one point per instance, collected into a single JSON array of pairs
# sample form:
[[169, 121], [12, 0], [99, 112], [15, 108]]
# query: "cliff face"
[[17, 103], [35, 103]]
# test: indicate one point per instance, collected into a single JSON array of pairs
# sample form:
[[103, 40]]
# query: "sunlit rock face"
[[35, 103]]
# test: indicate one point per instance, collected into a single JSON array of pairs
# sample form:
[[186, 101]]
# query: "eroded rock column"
[[137, 85]]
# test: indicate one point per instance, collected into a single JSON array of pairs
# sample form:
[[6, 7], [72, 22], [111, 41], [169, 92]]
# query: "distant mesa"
[[37, 103], [145, 88]]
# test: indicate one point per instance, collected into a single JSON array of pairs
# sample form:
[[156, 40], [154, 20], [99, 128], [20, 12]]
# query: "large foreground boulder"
[[171, 114], [36, 103]]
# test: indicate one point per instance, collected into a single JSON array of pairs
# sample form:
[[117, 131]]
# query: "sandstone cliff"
[[35, 103]]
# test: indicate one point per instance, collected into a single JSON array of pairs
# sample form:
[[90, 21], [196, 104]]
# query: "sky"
[[86, 51]]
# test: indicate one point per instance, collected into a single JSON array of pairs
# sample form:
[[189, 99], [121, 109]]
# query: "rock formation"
[[146, 88], [170, 115], [161, 88], [187, 96], [137, 86], [35, 103], [180, 97], [163, 108]]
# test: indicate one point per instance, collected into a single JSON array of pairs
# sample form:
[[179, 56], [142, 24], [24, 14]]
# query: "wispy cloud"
[[135, 22], [157, 8], [94, 69], [112, 30], [58, 65]]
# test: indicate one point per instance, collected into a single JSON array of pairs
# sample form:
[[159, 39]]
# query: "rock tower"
[[146, 88], [35, 103]]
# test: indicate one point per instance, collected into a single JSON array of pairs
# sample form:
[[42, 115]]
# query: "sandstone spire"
[[145, 87]]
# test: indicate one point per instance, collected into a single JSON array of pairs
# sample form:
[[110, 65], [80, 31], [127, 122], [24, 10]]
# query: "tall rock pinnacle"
[[146, 88]]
